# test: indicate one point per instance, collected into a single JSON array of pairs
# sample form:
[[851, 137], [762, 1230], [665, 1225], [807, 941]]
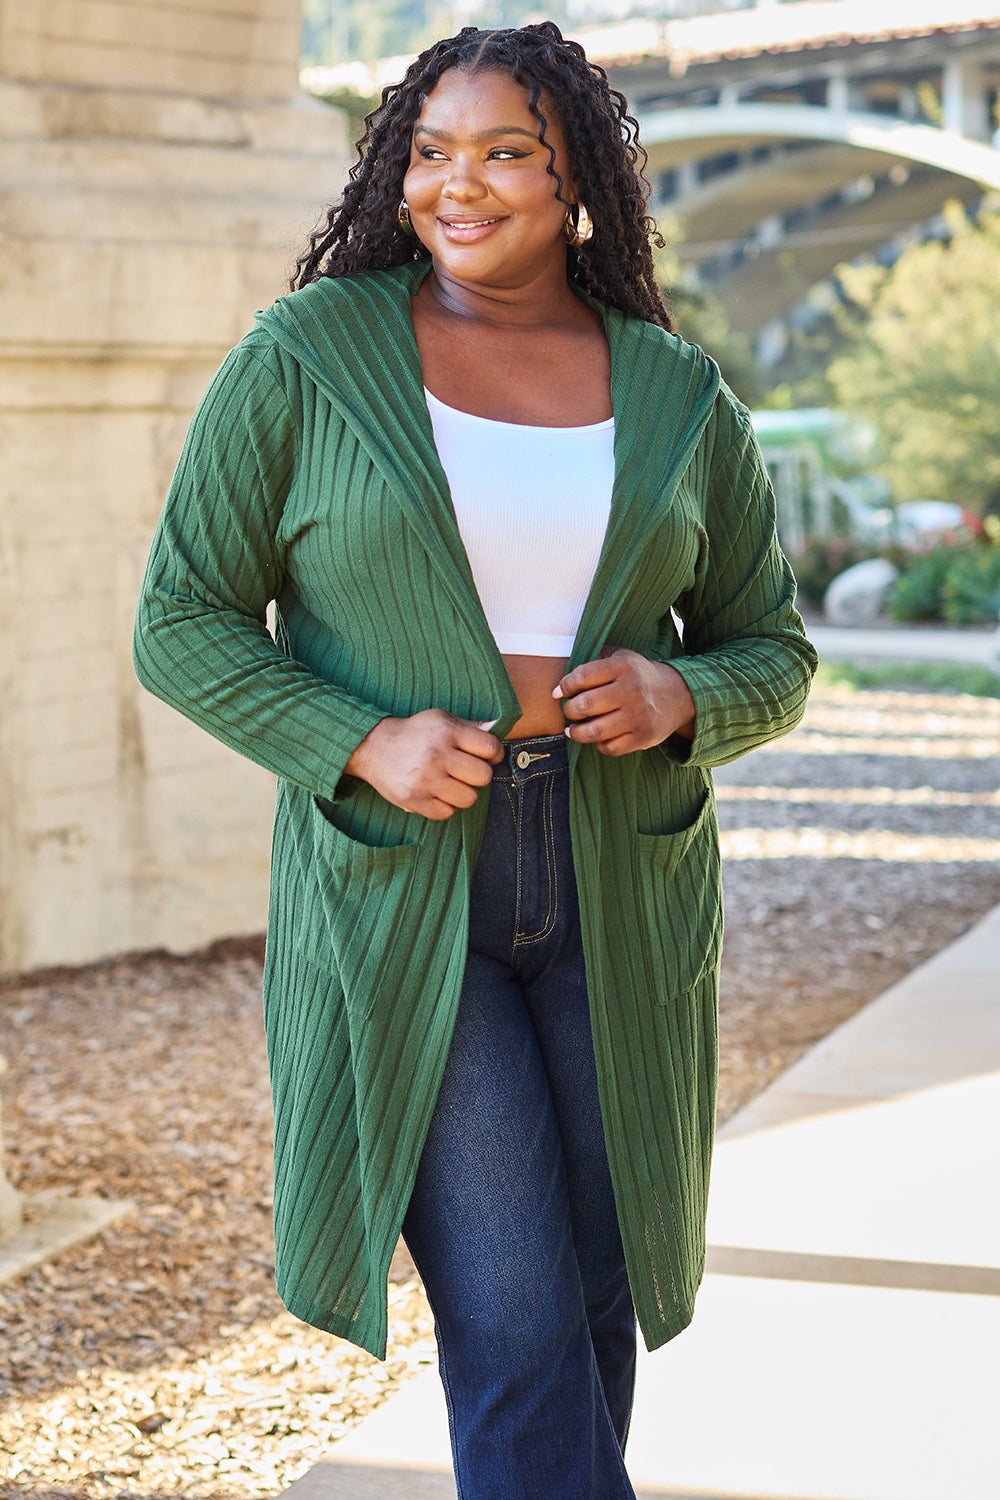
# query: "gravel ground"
[[154, 1361]]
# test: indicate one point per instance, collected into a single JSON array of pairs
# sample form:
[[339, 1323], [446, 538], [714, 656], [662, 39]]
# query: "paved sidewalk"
[[844, 1345], [971, 648]]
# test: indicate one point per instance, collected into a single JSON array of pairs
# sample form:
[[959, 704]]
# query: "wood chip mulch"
[[154, 1361]]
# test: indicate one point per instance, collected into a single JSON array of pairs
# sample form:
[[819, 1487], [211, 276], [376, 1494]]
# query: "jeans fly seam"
[[517, 800], [522, 940]]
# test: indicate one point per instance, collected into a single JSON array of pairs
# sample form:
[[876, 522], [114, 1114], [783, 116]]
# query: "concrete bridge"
[[786, 139]]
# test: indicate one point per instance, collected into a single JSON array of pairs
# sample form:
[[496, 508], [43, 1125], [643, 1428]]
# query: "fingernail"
[[489, 725], [567, 733], [557, 691]]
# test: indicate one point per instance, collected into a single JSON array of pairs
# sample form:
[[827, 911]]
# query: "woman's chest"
[[357, 521], [557, 379]]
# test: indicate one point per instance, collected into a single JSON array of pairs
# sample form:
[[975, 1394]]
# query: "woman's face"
[[480, 194]]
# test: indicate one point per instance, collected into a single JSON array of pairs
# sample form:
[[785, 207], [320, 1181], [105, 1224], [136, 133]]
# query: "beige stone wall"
[[231, 49], [138, 232]]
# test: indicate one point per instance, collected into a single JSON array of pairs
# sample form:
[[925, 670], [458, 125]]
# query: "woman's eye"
[[497, 153]]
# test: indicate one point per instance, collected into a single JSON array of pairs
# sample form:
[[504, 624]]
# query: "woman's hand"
[[624, 702], [431, 763]]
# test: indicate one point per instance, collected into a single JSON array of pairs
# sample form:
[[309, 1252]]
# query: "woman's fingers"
[[475, 739], [434, 809], [445, 791], [624, 702], [470, 770], [430, 763], [596, 700], [598, 730], [603, 698], [589, 674], [457, 763]]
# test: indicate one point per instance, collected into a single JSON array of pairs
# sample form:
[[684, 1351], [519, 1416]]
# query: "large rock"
[[858, 595]]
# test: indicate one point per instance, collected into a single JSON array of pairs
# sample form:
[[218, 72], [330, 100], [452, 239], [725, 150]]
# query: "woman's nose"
[[465, 180]]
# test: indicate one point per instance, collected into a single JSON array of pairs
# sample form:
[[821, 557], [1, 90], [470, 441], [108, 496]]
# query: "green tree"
[[700, 319], [923, 363], [338, 31]]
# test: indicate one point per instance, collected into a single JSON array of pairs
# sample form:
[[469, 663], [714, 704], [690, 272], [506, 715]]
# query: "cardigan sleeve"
[[201, 641], [746, 659]]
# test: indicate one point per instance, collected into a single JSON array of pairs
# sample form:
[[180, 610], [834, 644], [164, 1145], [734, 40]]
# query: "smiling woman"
[[481, 196], [478, 185], [479, 478]]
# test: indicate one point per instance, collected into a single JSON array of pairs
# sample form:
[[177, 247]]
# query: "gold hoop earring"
[[577, 232], [403, 218]]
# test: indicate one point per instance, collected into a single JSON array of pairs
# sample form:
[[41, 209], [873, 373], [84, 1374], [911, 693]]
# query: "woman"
[[476, 473]]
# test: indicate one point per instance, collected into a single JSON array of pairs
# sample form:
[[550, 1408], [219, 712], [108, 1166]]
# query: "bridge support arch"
[[670, 135]]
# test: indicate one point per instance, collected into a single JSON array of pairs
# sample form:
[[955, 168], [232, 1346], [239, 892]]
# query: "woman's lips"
[[469, 231]]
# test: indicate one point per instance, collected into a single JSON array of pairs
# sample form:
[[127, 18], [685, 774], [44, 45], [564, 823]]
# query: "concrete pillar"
[[909, 104], [10, 1200], [772, 341], [158, 169], [687, 179], [963, 99], [838, 91], [844, 92], [770, 232]]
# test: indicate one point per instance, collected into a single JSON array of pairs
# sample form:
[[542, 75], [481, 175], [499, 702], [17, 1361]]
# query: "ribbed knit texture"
[[310, 476]]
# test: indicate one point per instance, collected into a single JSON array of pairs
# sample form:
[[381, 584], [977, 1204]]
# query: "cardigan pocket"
[[666, 850], [360, 894], [680, 893]]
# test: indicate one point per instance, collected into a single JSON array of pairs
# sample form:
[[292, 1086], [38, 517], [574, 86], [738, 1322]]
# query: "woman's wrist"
[[360, 762], [680, 708]]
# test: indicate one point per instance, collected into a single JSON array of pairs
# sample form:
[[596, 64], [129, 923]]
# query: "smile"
[[468, 229]]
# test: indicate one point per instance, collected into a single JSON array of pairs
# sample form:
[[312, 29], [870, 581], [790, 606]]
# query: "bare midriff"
[[533, 678]]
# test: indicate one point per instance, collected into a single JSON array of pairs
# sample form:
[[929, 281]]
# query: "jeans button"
[[523, 761]]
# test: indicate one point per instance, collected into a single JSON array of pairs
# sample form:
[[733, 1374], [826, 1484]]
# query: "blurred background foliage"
[[922, 362], [338, 31], [700, 319]]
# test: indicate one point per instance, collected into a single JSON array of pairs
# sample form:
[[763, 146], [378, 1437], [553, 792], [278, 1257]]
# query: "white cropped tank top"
[[532, 505]]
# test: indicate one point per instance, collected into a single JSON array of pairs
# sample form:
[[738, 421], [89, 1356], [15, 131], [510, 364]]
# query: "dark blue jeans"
[[512, 1223]]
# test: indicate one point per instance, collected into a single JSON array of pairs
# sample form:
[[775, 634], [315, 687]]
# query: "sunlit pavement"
[[844, 1344], [908, 643]]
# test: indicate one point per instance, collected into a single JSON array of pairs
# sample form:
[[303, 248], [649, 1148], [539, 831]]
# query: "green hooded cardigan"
[[310, 478]]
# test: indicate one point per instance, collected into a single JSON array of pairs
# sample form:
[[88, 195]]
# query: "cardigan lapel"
[[662, 394], [353, 336]]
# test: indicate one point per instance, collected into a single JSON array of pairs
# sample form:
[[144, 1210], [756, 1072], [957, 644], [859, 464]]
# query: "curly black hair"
[[362, 232]]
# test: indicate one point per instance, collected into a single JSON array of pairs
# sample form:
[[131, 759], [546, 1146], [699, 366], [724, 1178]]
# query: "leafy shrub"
[[972, 588], [957, 581], [918, 593]]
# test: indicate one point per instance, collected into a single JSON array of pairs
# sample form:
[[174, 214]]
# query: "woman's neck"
[[547, 302]]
